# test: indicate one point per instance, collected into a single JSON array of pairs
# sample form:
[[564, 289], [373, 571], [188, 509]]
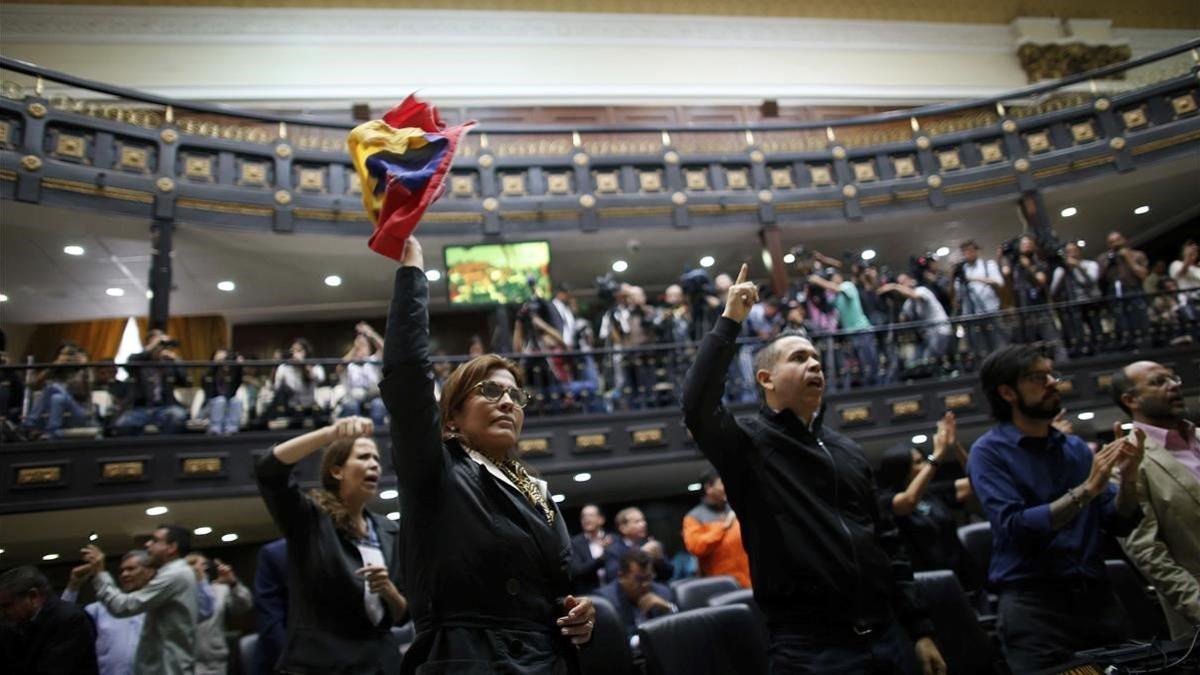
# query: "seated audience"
[[1186, 270], [592, 562], [295, 383], [361, 376], [221, 384], [152, 387], [712, 533], [1165, 546], [634, 593], [116, 637], [66, 395], [39, 633], [631, 524], [229, 596], [923, 510]]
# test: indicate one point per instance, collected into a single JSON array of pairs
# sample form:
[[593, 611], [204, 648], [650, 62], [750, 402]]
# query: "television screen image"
[[485, 274]]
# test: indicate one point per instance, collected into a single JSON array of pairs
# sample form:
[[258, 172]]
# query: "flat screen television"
[[489, 274]]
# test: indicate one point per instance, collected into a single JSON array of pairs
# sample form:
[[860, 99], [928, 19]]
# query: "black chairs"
[[976, 540], [694, 593], [1139, 599], [706, 641], [608, 653], [744, 596], [960, 638], [246, 648]]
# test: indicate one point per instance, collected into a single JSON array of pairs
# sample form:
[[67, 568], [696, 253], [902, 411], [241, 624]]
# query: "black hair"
[[1004, 367], [709, 476], [765, 358], [594, 505], [180, 536], [1121, 385], [634, 555], [967, 243], [21, 580], [894, 467]]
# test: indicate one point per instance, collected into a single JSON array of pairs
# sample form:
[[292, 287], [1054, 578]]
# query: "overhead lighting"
[[226, 286], [559, 498], [1068, 212], [433, 275], [1081, 243], [149, 294], [393, 515], [1085, 416], [1, 551], [583, 477], [115, 292], [232, 536], [50, 556], [73, 250], [333, 280], [156, 510], [919, 438], [389, 494], [93, 536], [1127, 426], [201, 531], [3, 297], [694, 487], [619, 266], [789, 258], [707, 261], [868, 254], [942, 252], [1141, 210]]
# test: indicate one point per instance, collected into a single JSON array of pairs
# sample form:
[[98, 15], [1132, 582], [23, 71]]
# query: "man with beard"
[[1049, 502], [1166, 544]]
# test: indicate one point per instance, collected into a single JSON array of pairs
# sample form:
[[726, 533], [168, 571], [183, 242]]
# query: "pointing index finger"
[[745, 271]]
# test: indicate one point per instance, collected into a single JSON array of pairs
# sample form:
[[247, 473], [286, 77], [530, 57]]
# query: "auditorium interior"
[[182, 167]]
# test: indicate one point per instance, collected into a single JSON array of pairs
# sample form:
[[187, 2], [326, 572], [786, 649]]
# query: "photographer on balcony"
[[921, 305], [360, 376], [221, 384], [65, 398], [977, 286], [630, 326], [1122, 271], [152, 387], [296, 385], [853, 320], [1028, 272], [1077, 283]]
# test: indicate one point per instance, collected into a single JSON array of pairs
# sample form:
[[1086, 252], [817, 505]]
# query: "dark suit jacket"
[[663, 569], [628, 612], [60, 640], [484, 573], [327, 626], [585, 568], [270, 605]]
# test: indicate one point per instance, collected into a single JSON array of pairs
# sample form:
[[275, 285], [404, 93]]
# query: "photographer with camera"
[[534, 333], [1077, 283], [1122, 271], [154, 375], [922, 305], [1029, 274], [66, 395], [977, 285], [296, 386], [221, 384], [630, 326], [360, 376], [852, 318]]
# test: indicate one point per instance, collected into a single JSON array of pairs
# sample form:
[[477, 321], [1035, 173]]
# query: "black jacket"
[[585, 568], [59, 640], [484, 574], [327, 626], [221, 381], [142, 381], [822, 555]]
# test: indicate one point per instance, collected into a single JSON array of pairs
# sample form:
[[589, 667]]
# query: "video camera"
[[606, 289]]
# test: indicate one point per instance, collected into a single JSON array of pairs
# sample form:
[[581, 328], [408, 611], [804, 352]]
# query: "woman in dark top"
[[924, 512], [342, 559], [485, 550], [220, 385]]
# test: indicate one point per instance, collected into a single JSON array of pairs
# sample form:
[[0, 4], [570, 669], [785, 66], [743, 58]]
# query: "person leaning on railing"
[[485, 549], [65, 398]]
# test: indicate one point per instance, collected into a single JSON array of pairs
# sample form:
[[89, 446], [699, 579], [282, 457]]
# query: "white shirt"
[[1187, 281], [568, 322], [362, 375], [491, 467], [925, 307], [980, 297]]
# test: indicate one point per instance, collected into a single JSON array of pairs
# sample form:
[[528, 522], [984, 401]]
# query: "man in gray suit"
[[1166, 544]]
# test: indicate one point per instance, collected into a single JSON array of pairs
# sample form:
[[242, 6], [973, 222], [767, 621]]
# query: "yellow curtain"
[[100, 338], [199, 336]]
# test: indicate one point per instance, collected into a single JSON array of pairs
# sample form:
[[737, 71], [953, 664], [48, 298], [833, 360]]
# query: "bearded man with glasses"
[[1166, 544], [1049, 502]]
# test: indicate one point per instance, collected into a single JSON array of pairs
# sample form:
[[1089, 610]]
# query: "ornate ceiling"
[[1123, 14]]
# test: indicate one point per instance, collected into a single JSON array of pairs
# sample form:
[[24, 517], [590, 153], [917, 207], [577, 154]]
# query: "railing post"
[[774, 243], [161, 230]]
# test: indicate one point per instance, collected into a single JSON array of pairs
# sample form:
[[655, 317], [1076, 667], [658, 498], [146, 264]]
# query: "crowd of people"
[[483, 566]]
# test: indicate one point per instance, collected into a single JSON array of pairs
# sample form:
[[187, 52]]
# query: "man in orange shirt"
[[712, 533]]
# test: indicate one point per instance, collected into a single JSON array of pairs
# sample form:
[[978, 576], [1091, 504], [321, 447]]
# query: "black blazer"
[[327, 626], [60, 640], [585, 568], [484, 573]]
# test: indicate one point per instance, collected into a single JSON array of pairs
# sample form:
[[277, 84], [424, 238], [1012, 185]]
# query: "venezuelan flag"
[[402, 162]]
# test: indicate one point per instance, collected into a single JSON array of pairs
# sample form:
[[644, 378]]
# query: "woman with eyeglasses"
[[485, 550]]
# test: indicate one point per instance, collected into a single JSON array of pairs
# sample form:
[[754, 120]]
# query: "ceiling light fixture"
[[1081, 243], [619, 266], [226, 286], [559, 498], [1068, 212], [942, 252], [3, 297], [393, 515], [232, 536], [1085, 416], [1127, 426], [201, 531], [694, 487], [919, 438], [333, 280], [50, 556], [583, 477], [389, 494], [433, 275], [1141, 210], [868, 254], [149, 294], [115, 292], [93, 536], [73, 250], [707, 261], [156, 510], [789, 258]]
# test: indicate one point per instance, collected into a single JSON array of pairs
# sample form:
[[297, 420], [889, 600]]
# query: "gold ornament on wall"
[[165, 184], [849, 192], [169, 135], [283, 197], [587, 201], [491, 204], [37, 110], [31, 162]]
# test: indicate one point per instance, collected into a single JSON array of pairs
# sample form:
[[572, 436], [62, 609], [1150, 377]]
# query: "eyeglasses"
[[1165, 380], [494, 391], [1044, 377]]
